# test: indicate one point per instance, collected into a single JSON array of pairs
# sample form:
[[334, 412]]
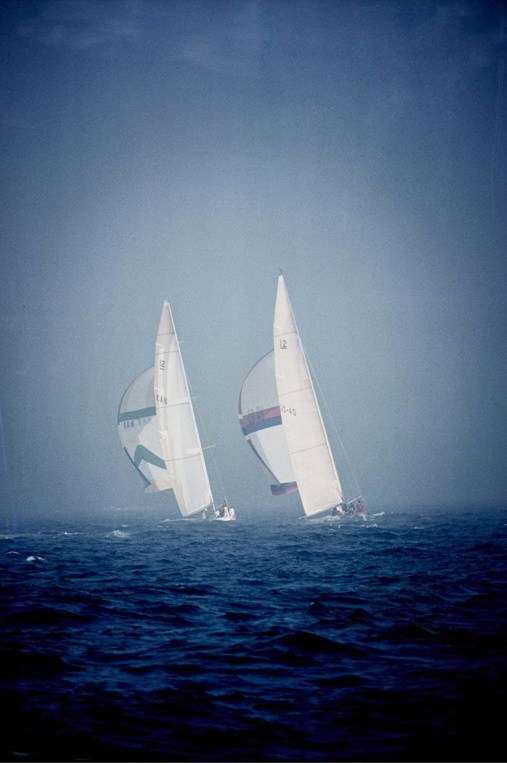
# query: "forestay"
[[179, 437], [309, 451], [261, 423], [139, 435]]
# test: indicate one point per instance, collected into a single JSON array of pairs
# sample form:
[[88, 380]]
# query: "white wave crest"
[[119, 534]]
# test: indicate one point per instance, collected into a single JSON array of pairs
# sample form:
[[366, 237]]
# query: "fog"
[[187, 151]]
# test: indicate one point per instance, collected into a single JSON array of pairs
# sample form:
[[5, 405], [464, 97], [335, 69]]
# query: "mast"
[[179, 435], [307, 441]]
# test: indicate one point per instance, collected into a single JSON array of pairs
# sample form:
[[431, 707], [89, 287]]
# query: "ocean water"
[[130, 638]]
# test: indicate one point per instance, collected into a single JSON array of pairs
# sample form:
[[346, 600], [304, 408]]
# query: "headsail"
[[138, 431], [308, 445], [179, 437], [261, 423]]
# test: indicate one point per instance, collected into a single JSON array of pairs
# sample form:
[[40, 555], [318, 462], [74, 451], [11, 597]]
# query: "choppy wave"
[[119, 534], [282, 640]]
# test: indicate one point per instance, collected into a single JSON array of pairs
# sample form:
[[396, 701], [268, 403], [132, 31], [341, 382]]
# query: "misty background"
[[186, 151]]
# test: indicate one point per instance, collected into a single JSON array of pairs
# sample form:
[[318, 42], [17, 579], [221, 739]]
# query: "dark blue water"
[[261, 640]]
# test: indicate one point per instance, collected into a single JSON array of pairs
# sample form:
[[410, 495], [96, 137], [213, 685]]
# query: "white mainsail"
[[307, 442], [138, 432], [179, 437], [261, 423]]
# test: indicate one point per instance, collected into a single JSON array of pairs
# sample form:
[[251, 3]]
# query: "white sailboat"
[[310, 454], [261, 423], [179, 436]]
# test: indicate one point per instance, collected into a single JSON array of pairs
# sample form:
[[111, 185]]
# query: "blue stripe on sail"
[[136, 467], [143, 454], [283, 488], [142, 413], [255, 426]]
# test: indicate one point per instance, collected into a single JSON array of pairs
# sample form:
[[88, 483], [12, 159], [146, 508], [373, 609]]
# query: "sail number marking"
[[288, 411], [283, 344]]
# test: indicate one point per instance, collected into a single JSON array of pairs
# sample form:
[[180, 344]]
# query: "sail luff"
[[179, 435], [307, 441]]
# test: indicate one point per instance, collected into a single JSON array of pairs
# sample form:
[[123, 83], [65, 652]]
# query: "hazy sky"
[[187, 150]]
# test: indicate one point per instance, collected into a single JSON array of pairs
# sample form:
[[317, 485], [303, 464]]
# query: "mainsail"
[[307, 442], [178, 434], [138, 431], [261, 423]]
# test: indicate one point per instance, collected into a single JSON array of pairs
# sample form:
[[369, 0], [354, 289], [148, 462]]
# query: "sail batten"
[[310, 447], [293, 391], [306, 437], [186, 401], [182, 458]]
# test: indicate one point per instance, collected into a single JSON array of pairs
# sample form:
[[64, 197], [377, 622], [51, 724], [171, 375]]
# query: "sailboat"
[[310, 454], [178, 433], [281, 419]]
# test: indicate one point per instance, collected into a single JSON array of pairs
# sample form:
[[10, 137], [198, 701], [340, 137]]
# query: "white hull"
[[214, 515], [225, 514], [345, 510]]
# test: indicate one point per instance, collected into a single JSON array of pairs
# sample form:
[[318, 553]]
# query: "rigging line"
[[212, 459], [336, 432], [326, 407]]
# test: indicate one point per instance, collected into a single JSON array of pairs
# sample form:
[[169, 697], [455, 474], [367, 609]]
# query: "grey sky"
[[187, 150]]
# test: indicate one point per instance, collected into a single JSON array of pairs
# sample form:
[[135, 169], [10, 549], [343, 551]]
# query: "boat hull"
[[337, 512], [224, 514]]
